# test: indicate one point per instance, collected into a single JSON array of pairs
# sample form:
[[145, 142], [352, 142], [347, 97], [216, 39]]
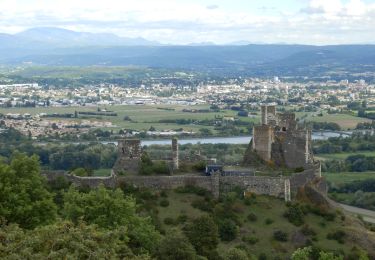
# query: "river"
[[231, 140]]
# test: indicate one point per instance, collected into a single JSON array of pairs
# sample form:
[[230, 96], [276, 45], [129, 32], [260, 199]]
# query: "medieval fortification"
[[277, 141]]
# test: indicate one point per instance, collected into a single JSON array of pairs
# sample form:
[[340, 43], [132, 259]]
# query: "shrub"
[[338, 235], [202, 205], [169, 221], [262, 256], [252, 217], [199, 166], [164, 203], [236, 254], [182, 218], [251, 240], [228, 230], [164, 194], [280, 236], [294, 214], [307, 231], [268, 221]]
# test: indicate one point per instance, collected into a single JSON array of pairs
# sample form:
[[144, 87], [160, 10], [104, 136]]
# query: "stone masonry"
[[278, 140], [175, 157], [129, 156]]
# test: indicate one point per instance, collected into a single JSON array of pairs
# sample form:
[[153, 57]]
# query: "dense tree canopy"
[[24, 198], [64, 240], [110, 209]]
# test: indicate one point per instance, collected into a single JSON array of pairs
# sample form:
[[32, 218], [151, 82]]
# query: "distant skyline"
[[317, 22]]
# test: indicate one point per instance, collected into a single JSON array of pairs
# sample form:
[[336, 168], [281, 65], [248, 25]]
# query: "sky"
[[318, 22]]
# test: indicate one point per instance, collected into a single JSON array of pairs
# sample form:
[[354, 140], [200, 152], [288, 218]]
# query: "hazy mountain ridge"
[[55, 47]]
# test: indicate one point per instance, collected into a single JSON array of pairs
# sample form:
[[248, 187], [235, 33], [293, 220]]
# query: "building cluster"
[[252, 90], [37, 126]]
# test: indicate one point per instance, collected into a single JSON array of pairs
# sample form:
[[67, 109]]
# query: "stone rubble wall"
[[216, 183], [273, 186]]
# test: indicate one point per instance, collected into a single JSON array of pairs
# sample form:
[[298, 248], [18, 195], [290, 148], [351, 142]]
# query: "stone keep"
[[128, 156], [278, 140], [175, 157]]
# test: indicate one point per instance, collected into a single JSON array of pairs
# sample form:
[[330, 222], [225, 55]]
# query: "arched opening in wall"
[[284, 129], [123, 150]]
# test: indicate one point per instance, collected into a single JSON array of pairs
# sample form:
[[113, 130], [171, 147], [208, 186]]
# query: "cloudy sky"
[[185, 21]]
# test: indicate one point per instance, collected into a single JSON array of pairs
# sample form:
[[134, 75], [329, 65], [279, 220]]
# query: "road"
[[368, 215]]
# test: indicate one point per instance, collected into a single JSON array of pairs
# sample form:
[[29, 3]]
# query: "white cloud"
[[177, 21]]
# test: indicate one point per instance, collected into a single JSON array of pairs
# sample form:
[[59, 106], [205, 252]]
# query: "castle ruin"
[[175, 157], [128, 156], [278, 140]]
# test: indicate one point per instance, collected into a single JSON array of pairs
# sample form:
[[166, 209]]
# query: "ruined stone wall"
[[262, 141], [129, 156], [273, 186], [268, 115], [308, 175], [295, 148], [280, 187], [168, 182], [286, 121]]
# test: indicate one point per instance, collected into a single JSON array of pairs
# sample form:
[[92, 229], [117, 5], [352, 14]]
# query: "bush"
[[199, 166], [307, 231], [169, 221], [251, 240], [236, 254], [280, 236], [164, 203], [294, 214], [252, 217], [228, 230], [262, 256], [163, 194], [182, 218], [203, 205], [338, 235], [268, 221]]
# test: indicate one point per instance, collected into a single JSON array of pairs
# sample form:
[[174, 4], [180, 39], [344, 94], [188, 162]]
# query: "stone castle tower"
[[175, 158], [129, 156], [278, 140]]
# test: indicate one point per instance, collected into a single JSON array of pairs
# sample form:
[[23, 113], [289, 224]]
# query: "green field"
[[142, 116], [342, 156], [345, 121], [347, 177]]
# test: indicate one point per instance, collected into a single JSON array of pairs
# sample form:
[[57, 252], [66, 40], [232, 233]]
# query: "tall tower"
[[129, 152], [175, 153]]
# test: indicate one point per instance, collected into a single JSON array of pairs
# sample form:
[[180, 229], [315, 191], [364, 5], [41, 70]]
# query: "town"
[[41, 110]]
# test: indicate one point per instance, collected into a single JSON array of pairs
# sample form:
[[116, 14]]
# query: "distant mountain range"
[[60, 47]]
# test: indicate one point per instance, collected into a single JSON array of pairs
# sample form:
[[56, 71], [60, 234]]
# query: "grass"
[[343, 156], [102, 172], [142, 116], [265, 207], [347, 177], [345, 121]]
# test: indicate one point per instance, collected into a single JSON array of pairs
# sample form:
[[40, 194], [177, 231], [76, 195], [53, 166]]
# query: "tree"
[[301, 254], [203, 234], [110, 209], [24, 198], [175, 246], [329, 256], [65, 240], [236, 254]]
